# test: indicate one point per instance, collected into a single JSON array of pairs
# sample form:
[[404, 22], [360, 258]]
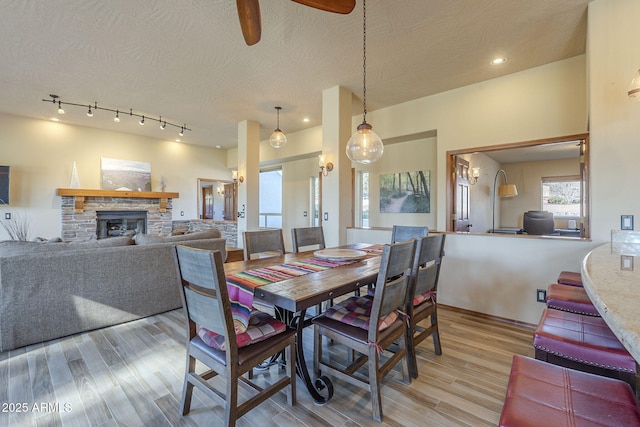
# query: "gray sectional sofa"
[[51, 290]]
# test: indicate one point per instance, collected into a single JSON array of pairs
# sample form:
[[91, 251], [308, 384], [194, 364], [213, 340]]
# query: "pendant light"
[[634, 88], [278, 139], [364, 146]]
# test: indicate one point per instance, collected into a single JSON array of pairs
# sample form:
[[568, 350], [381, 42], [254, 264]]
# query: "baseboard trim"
[[489, 316]]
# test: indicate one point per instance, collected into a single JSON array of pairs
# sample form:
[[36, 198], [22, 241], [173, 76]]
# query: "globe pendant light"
[[278, 139], [364, 146]]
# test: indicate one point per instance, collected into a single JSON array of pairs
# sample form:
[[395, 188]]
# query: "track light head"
[[141, 121], [163, 125], [117, 117], [181, 133], [60, 109], [90, 113]]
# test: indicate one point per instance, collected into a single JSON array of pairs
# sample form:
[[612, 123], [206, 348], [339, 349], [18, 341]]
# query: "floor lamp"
[[505, 190]]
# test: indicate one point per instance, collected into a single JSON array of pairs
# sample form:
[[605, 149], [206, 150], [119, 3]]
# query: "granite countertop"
[[611, 278]]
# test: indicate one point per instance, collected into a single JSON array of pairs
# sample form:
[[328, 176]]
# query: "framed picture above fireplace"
[[127, 175]]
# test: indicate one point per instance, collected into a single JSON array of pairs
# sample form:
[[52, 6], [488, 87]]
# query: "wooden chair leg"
[[374, 384], [436, 334], [231, 406], [187, 388], [317, 351], [411, 353]]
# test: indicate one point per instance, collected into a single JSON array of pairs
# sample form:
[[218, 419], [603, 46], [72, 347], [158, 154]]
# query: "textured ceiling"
[[187, 61]]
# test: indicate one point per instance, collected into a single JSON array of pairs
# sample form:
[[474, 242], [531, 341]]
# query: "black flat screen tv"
[[4, 185]]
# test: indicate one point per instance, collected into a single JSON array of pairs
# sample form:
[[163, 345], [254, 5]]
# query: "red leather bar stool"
[[570, 298], [584, 343], [540, 394], [570, 278]]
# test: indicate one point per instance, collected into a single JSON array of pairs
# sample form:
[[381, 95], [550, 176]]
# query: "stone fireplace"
[[81, 208], [120, 223]]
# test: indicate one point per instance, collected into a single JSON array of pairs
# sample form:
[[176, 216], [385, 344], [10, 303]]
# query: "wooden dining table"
[[294, 296]]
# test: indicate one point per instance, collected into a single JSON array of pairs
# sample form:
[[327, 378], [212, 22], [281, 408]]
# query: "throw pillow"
[[149, 239], [356, 311], [261, 326]]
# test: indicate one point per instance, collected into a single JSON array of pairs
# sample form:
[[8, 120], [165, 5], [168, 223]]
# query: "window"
[[561, 195], [271, 198], [363, 188], [314, 190]]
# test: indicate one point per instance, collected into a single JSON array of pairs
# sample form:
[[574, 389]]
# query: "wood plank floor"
[[131, 375]]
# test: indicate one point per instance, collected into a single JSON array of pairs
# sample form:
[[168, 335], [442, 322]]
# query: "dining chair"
[[370, 325], [212, 340], [421, 302], [307, 236], [261, 241], [400, 233]]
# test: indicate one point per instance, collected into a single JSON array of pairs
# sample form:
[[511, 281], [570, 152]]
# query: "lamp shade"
[[364, 146], [634, 88], [507, 190], [278, 139]]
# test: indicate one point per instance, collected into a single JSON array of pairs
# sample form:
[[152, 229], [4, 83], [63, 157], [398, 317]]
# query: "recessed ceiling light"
[[498, 61], [55, 119], [218, 146], [306, 120], [178, 140]]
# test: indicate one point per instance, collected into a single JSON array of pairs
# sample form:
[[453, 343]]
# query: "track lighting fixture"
[[91, 108]]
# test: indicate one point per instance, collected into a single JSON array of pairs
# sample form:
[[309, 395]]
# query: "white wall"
[[41, 155], [407, 156], [614, 58]]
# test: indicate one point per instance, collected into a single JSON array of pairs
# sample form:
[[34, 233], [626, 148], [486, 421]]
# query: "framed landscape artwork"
[[126, 175], [405, 192]]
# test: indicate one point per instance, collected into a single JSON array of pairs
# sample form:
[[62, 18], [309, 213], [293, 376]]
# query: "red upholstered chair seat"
[[570, 298], [541, 394], [585, 339], [571, 278]]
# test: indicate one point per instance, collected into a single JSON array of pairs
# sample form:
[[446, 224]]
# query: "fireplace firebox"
[[120, 223]]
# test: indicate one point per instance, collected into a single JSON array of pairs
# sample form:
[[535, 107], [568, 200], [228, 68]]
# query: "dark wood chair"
[[421, 303], [307, 236], [347, 323], [206, 302], [400, 233], [263, 241]]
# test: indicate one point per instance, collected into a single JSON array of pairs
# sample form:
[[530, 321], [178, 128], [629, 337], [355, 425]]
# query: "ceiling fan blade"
[[336, 6], [250, 21]]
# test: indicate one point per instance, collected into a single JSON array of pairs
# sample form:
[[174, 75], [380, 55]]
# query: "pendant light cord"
[[364, 61]]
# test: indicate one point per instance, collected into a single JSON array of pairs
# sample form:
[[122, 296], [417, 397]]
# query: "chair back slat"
[[426, 265], [204, 310], [401, 233], [307, 236], [204, 289], [256, 242], [393, 281]]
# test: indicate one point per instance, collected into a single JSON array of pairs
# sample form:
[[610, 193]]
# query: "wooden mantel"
[[80, 195]]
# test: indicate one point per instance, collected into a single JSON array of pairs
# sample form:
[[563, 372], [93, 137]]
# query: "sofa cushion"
[[147, 239], [17, 247]]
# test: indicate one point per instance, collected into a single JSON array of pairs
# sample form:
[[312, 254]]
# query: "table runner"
[[241, 286]]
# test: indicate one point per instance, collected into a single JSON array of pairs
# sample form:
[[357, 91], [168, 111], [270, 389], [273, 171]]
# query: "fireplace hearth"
[[120, 223]]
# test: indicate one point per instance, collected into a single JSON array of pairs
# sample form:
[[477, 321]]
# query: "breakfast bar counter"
[[613, 283]]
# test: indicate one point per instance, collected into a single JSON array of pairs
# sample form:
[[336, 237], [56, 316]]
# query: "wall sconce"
[[475, 174], [324, 166], [634, 88], [220, 191], [234, 175]]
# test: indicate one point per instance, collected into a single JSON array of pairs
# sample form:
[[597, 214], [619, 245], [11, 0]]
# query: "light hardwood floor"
[[131, 375]]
